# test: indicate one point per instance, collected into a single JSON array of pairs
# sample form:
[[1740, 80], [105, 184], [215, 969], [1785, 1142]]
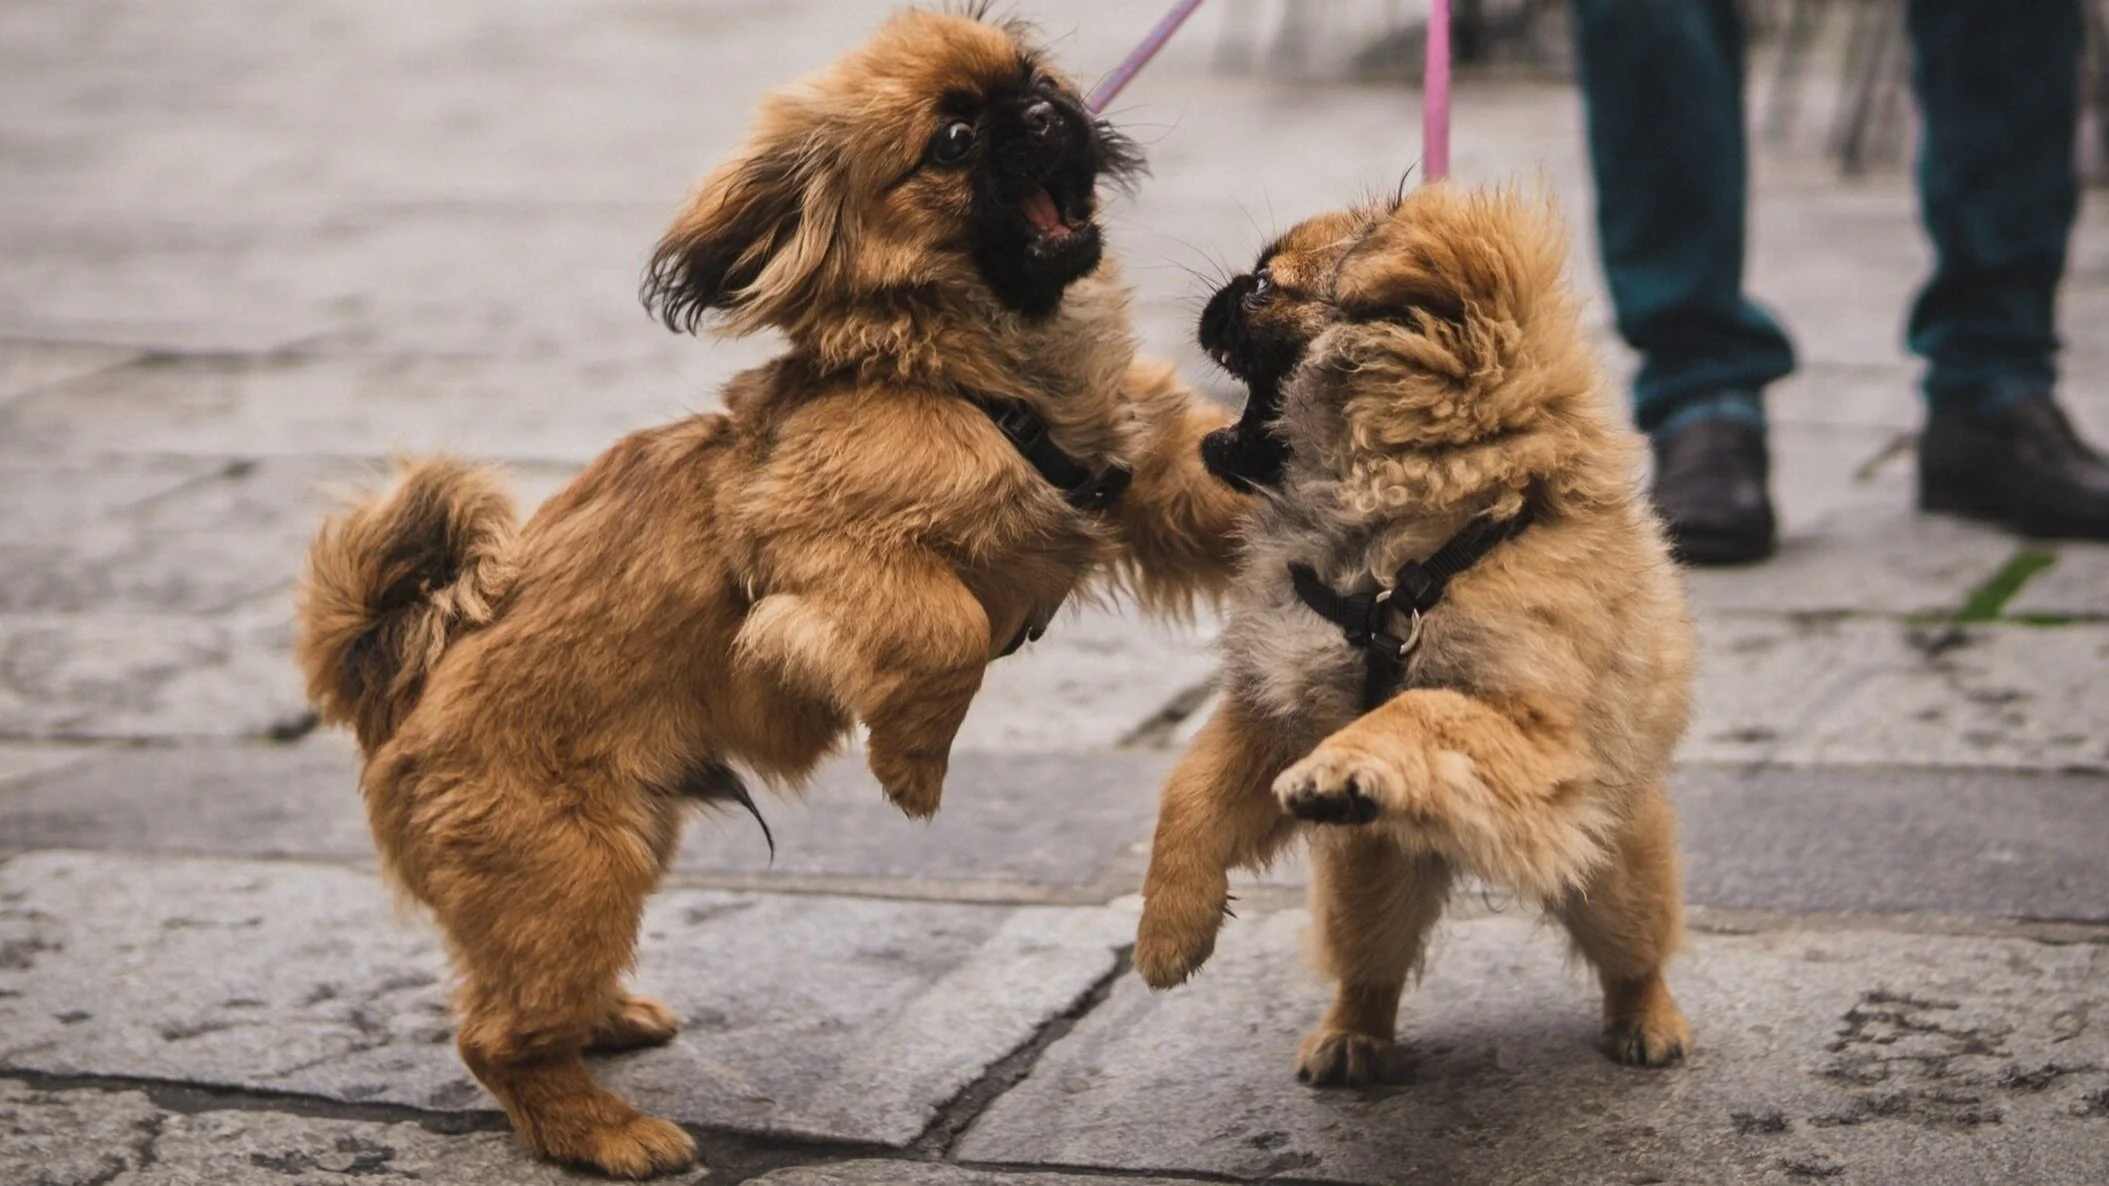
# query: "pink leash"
[[1124, 73], [1435, 94], [1435, 100]]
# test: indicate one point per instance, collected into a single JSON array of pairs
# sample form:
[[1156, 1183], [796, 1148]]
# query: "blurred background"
[[249, 249]]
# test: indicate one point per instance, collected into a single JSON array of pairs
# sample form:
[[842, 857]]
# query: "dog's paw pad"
[[1343, 1058], [1321, 792]]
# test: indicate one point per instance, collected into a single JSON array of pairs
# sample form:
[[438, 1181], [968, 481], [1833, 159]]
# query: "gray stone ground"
[[252, 248]]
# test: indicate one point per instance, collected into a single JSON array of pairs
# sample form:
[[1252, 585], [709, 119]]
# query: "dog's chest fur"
[[1283, 659]]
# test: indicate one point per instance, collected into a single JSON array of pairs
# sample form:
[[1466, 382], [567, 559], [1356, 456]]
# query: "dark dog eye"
[[952, 143], [1262, 289]]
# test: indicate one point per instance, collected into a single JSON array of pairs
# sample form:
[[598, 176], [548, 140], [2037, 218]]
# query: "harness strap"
[[1416, 589], [1027, 432], [1082, 489]]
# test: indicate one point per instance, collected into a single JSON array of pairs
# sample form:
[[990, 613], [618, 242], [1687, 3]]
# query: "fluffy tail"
[[392, 582]]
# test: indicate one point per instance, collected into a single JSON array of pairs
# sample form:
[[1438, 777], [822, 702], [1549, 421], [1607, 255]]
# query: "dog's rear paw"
[[1658, 1040], [635, 1021], [1343, 1058], [640, 1147], [1333, 787], [915, 785]]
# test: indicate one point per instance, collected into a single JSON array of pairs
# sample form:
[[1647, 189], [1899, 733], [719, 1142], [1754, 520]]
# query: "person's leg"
[[1663, 87], [1999, 85]]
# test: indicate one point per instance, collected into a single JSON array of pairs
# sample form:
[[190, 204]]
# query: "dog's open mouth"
[[1052, 220]]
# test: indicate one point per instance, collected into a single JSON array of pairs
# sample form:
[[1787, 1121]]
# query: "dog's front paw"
[[1336, 786], [1343, 1058], [915, 785], [1176, 937], [1658, 1038], [621, 1147]]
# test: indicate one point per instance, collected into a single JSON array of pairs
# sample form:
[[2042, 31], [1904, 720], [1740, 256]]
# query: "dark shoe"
[[1710, 490], [2019, 464]]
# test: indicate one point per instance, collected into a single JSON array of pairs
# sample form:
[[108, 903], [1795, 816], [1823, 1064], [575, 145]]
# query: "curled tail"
[[392, 582]]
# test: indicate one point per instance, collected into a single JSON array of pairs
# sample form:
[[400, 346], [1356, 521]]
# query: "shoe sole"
[[1719, 549], [1937, 503]]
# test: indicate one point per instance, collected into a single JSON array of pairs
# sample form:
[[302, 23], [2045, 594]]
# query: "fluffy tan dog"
[[1425, 407], [854, 541]]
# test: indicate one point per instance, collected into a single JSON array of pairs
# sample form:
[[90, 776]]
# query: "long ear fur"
[[1447, 253], [752, 242]]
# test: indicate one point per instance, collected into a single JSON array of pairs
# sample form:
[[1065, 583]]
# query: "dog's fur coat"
[[852, 541], [1436, 376]]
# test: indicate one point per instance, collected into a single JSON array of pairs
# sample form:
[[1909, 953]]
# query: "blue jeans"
[[1998, 87]]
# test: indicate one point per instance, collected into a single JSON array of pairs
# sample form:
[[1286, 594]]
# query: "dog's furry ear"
[[1445, 254], [751, 242]]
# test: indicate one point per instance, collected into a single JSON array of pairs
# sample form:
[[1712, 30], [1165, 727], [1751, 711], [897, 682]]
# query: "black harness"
[[1080, 488], [1415, 590], [1027, 432]]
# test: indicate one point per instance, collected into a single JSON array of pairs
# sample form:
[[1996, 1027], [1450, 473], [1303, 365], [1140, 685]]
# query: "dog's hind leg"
[[1215, 815], [543, 911], [1626, 921], [1372, 907], [1502, 791]]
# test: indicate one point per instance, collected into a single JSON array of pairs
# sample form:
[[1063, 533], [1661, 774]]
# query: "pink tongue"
[[1040, 210]]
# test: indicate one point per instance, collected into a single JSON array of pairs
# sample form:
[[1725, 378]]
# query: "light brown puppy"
[[853, 541], [1419, 366]]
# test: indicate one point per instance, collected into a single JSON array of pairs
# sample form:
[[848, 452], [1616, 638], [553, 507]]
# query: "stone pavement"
[[254, 248]]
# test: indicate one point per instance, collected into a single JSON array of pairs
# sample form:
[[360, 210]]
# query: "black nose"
[[1221, 328], [1043, 124]]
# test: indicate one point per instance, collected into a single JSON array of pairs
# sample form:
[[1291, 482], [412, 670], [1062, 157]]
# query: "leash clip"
[[1411, 642]]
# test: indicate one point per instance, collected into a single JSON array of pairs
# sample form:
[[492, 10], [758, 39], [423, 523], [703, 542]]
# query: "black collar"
[[1415, 590], [1027, 432]]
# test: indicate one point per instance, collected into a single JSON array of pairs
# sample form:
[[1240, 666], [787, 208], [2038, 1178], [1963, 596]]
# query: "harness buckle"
[[1020, 424], [1412, 641]]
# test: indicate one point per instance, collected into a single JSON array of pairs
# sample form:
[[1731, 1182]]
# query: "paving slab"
[[1097, 676], [1880, 395], [26, 365], [924, 1173], [233, 799], [224, 534], [132, 676], [1823, 689], [2077, 586], [1850, 538], [1050, 820], [22, 762], [818, 1016], [1860, 1055], [122, 1138], [1958, 842], [546, 408]]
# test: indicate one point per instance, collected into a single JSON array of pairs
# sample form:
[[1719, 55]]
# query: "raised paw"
[[1334, 786], [639, 1147], [634, 1021], [1174, 940], [1652, 1041], [1343, 1058]]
